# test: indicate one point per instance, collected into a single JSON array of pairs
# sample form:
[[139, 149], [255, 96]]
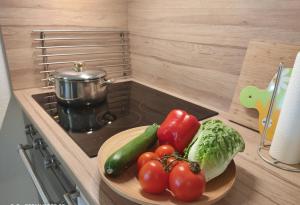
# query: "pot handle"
[[78, 66], [107, 82], [51, 79]]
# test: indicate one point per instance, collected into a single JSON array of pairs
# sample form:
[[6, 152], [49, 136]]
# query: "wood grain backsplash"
[[196, 47], [19, 18]]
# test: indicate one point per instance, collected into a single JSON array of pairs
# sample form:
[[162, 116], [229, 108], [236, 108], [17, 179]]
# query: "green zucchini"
[[127, 154]]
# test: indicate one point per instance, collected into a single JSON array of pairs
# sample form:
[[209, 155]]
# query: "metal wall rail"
[[81, 46], [104, 30], [72, 39], [84, 61], [108, 49], [78, 54]]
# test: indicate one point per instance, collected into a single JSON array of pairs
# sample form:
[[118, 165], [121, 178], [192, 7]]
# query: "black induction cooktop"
[[128, 104]]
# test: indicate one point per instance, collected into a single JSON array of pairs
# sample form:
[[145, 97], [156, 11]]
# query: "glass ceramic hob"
[[127, 105]]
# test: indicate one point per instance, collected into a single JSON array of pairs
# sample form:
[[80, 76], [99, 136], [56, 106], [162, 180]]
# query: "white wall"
[[4, 84], [15, 184]]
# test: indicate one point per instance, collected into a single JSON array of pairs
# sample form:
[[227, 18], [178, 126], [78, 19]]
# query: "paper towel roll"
[[285, 146]]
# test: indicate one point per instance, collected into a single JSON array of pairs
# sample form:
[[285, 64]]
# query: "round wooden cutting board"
[[127, 184]]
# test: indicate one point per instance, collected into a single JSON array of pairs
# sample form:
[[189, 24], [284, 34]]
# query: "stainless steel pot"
[[80, 87]]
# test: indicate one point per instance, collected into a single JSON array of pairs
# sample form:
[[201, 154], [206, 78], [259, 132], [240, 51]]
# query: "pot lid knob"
[[78, 66]]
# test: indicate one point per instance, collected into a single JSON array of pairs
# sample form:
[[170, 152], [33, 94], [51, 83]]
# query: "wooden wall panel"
[[211, 36], [93, 13], [187, 83], [166, 63], [19, 18]]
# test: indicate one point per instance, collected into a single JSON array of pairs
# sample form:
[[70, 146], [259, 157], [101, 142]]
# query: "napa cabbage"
[[214, 146]]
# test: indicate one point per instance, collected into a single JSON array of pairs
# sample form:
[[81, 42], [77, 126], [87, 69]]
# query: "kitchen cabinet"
[[47, 173]]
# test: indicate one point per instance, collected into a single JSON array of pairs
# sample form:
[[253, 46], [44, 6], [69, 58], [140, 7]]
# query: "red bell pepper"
[[178, 129]]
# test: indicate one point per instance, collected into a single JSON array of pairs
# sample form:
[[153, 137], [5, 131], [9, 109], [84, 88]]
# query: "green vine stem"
[[194, 166]]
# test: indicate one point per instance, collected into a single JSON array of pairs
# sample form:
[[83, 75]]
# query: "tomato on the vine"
[[153, 178], [186, 183], [144, 158], [164, 150]]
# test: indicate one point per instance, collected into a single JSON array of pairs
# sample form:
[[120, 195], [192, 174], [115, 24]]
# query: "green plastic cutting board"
[[253, 97]]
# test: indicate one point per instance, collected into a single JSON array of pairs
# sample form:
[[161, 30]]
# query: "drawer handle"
[[68, 197], [22, 152]]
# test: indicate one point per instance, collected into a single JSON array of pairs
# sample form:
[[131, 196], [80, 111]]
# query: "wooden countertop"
[[257, 182]]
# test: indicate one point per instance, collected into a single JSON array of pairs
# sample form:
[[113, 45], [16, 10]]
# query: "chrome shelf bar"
[[116, 65], [98, 66], [78, 54], [80, 46], [48, 87], [47, 71], [107, 72], [104, 30], [119, 71], [72, 39], [73, 61]]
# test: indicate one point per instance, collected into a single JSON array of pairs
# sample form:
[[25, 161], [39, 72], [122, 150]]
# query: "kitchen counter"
[[256, 183]]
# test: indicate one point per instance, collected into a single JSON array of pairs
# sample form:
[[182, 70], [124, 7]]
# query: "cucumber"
[[127, 154]]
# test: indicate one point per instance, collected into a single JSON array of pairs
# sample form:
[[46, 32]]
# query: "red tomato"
[[185, 184], [144, 158], [153, 178], [164, 150]]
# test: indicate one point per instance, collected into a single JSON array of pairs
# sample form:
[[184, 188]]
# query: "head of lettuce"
[[214, 146]]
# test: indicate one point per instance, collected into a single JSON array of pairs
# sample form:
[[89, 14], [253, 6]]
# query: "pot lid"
[[78, 73]]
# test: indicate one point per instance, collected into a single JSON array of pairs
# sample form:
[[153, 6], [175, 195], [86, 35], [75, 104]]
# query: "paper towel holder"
[[263, 148]]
